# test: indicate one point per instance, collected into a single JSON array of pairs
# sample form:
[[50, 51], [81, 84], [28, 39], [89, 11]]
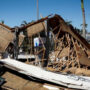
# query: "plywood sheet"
[[6, 36], [34, 29]]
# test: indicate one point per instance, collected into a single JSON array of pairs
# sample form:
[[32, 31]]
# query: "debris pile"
[[51, 43], [71, 52]]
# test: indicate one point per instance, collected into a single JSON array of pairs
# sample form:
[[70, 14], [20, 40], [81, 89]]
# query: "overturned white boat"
[[70, 81]]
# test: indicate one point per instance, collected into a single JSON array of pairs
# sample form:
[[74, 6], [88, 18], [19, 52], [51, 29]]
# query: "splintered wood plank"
[[15, 82]]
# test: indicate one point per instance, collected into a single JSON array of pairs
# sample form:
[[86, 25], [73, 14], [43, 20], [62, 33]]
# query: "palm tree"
[[83, 14], [85, 28], [85, 25], [2, 21], [24, 23], [68, 22]]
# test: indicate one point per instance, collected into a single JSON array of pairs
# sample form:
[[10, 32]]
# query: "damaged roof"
[[55, 21], [5, 26]]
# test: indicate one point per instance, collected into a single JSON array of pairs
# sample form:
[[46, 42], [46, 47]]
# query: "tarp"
[[36, 42]]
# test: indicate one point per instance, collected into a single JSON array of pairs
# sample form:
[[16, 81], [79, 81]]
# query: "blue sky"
[[13, 12]]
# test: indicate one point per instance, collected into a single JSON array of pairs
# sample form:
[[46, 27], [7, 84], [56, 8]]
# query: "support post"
[[16, 51], [45, 62]]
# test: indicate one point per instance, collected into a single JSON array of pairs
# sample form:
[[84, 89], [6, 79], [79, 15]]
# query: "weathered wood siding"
[[6, 36], [34, 29]]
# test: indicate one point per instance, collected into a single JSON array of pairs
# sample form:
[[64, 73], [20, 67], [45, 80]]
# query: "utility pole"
[[83, 14], [37, 10]]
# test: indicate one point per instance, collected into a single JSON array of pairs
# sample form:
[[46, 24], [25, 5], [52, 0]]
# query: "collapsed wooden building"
[[56, 46], [62, 49]]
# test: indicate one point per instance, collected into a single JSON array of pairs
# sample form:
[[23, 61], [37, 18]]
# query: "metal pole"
[[83, 14], [37, 11]]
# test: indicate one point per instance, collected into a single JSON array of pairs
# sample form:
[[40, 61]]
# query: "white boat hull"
[[70, 81]]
